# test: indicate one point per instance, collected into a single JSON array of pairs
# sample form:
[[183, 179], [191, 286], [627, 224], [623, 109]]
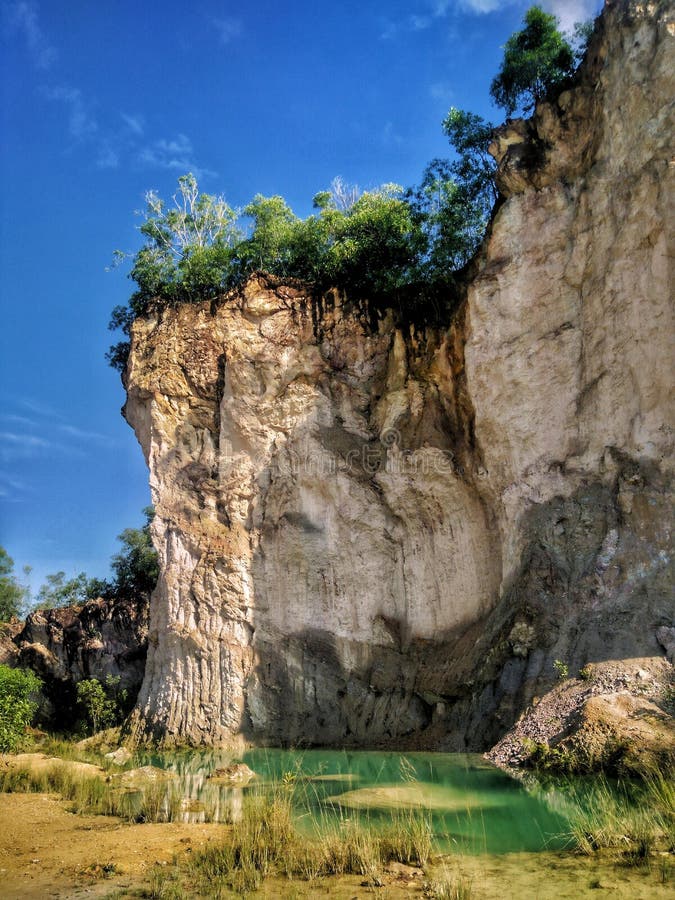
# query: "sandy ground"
[[48, 852]]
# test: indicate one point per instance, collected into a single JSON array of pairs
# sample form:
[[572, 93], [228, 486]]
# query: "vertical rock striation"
[[371, 535]]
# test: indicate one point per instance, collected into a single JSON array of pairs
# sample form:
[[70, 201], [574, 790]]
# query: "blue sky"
[[103, 101]]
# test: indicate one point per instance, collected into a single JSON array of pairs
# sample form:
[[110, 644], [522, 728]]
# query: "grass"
[[635, 823], [635, 820], [447, 885], [155, 802], [265, 841]]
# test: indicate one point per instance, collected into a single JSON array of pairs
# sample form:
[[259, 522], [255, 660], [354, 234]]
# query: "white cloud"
[[419, 23], [15, 445], [442, 90], [430, 11], [22, 18], [176, 154], [227, 29], [43, 433], [569, 12], [135, 124], [82, 434], [168, 154], [80, 124], [108, 158], [390, 137], [483, 6]]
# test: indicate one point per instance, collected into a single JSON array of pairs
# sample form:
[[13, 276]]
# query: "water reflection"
[[471, 805]]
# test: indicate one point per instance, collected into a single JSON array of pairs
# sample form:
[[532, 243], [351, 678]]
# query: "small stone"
[[119, 756]]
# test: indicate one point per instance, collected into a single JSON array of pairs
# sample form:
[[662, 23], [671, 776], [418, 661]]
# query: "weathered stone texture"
[[377, 536]]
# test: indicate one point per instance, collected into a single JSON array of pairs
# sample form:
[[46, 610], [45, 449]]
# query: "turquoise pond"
[[472, 806]]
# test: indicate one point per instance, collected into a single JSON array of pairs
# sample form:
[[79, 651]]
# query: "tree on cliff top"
[[12, 594], [386, 247], [536, 59]]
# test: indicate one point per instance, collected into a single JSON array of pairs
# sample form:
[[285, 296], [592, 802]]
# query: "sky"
[[100, 102]]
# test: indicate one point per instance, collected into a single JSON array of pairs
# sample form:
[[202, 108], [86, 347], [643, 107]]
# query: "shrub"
[[561, 669], [18, 689], [103, 703]]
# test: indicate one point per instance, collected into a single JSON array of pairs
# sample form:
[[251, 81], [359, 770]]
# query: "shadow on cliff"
[[593, 585]]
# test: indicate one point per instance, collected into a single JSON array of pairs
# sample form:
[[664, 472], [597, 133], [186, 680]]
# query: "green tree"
[[536, 59], [270, 246], [18, 704], [454, 201], [187, 245], [102, 703], [59, 591], [136, 566], [375, 246], [187, 256], [13, 595]]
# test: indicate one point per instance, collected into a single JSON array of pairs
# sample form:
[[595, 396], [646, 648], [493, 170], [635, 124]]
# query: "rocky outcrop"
[[371, 534], [615, 716], [68, 644]]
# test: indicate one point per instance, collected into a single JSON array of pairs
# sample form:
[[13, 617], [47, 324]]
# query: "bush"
[[18, 689], [561, 669], [103, 703]]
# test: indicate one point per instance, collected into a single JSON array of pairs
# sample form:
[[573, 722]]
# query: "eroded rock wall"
[[67, 644], [374, 535]]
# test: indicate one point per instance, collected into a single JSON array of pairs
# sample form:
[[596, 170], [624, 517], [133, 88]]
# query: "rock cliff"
[[377, 535], [68, 644]]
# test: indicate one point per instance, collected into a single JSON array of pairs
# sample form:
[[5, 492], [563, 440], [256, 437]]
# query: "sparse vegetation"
[[449, 885], [18, 704], [266, 841], [635, 819], [96, 794], [561, 669]]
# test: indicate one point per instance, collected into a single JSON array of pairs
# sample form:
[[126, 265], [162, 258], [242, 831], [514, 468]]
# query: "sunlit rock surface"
[[375, 535]]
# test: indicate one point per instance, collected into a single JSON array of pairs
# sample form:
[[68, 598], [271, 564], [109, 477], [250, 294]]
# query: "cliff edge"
[[371, 535]]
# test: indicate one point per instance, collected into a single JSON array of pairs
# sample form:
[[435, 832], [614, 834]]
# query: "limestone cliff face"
[[369, 535]]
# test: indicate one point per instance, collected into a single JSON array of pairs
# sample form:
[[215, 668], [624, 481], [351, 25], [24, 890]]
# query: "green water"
[[473, 807]]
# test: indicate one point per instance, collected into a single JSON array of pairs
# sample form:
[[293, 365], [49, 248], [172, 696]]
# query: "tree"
[[270, 246], [136, 566], [375, 245], [454, 201], [187, 245], [57, 591], [536, 59], [103, 703], [18, 703], [187, 256], [12, 594]]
